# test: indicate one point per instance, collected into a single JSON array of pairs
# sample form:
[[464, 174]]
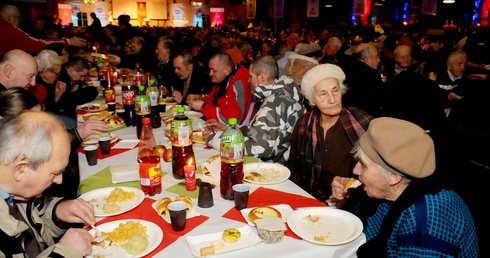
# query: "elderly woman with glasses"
[[49, 68]]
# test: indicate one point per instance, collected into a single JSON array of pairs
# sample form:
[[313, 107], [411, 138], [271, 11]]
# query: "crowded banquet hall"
[[241, 128]]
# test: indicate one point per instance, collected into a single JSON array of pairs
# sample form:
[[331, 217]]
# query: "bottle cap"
[[141, 87], [181, 109], [146, 120], [232, 121], [152, 82]]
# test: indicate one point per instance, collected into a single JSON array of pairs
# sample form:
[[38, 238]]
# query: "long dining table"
[[211, 220]]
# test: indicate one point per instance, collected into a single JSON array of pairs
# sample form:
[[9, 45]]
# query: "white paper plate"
[[191, 214], [284, 209], [155, 237], [248, 238], [114, 138], [197, 137], [95, 106], [81, 120], [336, 226], [272, 173], [96, 198]]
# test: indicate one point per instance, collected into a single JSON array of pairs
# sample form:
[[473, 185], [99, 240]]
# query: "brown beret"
[[399, 146]]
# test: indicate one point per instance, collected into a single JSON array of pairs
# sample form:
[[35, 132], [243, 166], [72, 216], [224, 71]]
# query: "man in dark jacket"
[[193, 78]]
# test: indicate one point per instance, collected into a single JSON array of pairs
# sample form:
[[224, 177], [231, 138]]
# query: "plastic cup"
[[205, 199], [178, 215], [241, 195], [105, 145], [91, 154]]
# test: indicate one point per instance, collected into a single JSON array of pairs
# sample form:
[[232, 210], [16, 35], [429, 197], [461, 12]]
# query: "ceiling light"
[[448, 1]]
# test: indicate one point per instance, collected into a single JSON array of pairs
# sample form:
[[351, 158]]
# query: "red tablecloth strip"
[[113, 151], [145, 212], [265, 197]]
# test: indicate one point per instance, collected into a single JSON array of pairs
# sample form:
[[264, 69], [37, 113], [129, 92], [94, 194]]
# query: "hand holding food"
[[352, 183]]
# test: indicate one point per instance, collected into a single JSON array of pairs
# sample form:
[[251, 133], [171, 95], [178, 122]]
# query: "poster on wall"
[[359, 7], [313, 8], [101, 10], [217, 16], [278, 8], [64, 13], [429, 7], [250, 9], [178, 15], [141, 11]]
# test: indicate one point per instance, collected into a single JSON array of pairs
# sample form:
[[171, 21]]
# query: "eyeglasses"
[[57, 73]]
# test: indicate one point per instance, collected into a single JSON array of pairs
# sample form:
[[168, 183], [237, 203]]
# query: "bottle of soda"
[[128, 97], [154, 94], [141, 108], [139, 76], [232, 156], [148, 162], [182, 151], [110, 92]]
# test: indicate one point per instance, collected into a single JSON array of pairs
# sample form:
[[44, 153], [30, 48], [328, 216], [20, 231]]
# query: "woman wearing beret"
[[408, 213], [323, 138]]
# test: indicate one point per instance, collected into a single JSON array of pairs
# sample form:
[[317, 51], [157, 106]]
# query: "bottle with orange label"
[[149, 162], [110, 93]]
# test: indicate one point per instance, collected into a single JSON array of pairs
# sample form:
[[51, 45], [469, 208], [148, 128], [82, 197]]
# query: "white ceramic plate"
[[191, 214], [96, 198], [95, 108], [272, 173], [96, 141], [336, 226], [284, 209], [155, 237], [248, 238]]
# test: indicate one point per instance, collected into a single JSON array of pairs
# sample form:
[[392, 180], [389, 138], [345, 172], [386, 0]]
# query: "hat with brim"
[[399, 146]]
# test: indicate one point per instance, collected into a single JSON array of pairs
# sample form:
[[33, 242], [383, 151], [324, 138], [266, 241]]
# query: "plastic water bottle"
[[232, 151]]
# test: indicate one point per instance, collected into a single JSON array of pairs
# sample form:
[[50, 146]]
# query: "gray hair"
[[48, 59], [361, 156], [25, 138], [454, 54], [266, 64], [7, 10]]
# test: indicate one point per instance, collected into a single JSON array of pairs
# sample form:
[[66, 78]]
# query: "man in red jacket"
[[15, 38], [230, 96]]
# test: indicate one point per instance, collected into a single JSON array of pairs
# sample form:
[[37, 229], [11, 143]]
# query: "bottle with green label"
[[153, 94], [232, 152], [182, 152], [141, 108]]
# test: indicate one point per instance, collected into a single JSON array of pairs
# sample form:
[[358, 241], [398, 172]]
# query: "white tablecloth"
[[288, 247]]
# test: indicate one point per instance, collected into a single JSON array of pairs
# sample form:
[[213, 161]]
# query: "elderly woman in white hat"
[[410, 214], [323, 138]]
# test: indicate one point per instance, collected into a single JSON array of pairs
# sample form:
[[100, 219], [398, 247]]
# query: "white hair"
[[48, 59]]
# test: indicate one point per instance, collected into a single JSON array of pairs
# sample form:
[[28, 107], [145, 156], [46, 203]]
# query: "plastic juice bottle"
[[141, 108], [153, 94], [232, 155], [148, 162], [182, 151]]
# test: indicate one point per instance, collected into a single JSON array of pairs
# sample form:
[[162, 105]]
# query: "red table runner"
[[145, 212], [265, 197], [113, 151]]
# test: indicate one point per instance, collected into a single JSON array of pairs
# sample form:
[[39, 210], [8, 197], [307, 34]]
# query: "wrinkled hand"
[[192, 97], [76, 211], [481, 77], [59, 89], [206, 133], [90, 127], [113, 59], [177, 96], [195, 104], [80, 239], [214, 124], [76, 41], [338, 184]]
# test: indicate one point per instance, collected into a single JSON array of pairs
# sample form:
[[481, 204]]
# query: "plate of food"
[[197, 137], [280, 211], [92, 107], [127, 238], [226, 240], [161, 207], [265, 173], [325, 225], [110, 201], [114, 121], [93, 139], [94, 116]]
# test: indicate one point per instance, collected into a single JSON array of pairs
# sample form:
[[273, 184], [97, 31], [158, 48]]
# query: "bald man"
[[332, 55], [403, 58], [18, 39], [17, 69]]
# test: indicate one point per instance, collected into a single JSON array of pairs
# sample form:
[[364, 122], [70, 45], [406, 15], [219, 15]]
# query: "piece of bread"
[[114, 121], [212, 158], [263, 212], [231, 235], [162, 205], [352, 183]]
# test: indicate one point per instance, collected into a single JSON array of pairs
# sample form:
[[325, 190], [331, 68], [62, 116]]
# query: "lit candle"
[[94, 48], [190, 176]]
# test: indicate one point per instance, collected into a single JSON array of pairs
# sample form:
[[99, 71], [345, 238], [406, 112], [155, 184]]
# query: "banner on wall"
[[64, 13], [250, 9], [141, 11], [429, 7], [278, 8], [313, 8], [359, 6], [217, 16], [101, 10]]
